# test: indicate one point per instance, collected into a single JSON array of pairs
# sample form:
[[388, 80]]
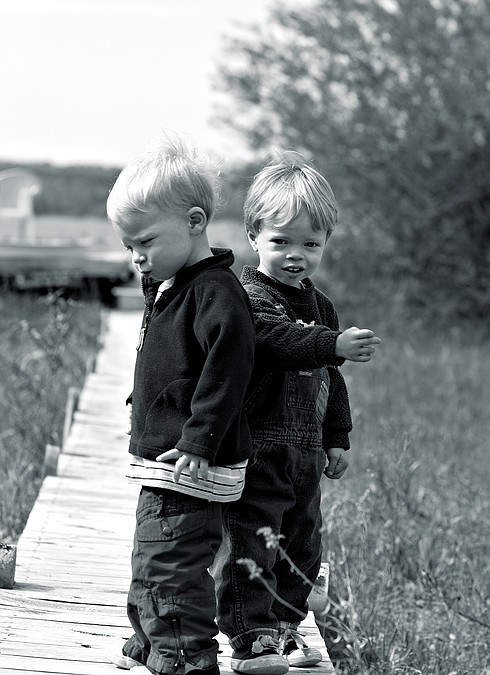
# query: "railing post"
[[71, 405], [8, 555], [51, 456]]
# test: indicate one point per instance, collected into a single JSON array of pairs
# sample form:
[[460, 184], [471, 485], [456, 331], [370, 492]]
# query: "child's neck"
[[200, 250]]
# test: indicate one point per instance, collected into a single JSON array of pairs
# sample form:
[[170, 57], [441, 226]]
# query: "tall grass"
[[46, 344], [407, 530]]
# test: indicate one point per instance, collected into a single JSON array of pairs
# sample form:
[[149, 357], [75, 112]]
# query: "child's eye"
[[145, 242], [280, 242], [312, 244]]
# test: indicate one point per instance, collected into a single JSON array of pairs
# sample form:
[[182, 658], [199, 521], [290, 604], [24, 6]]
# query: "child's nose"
[[294, 255], [138, 257]]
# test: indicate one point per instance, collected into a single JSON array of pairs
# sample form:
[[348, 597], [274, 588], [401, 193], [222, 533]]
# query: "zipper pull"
[[181, 656], [142, 334], [180, 660]]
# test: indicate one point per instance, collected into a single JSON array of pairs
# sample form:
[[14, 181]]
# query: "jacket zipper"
[[143, 330]]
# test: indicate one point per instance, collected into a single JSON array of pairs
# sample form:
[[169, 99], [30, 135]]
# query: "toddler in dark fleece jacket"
[[190, 439]]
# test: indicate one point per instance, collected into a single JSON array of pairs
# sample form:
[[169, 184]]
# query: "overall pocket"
[[308, 390]]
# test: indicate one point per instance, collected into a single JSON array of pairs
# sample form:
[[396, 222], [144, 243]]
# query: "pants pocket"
[[166, 517]]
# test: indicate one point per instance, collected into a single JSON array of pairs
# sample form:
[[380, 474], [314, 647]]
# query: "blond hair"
[[172, 176], [285, 187]]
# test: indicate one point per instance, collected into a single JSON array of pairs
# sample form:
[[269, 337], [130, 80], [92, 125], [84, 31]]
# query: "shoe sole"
[[304, 658], [264, 665], [305, 663]]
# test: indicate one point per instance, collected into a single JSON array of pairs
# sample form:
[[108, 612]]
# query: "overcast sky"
[[92, 81]]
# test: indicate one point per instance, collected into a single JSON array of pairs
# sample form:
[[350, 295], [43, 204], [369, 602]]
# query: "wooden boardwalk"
[[66, 611]]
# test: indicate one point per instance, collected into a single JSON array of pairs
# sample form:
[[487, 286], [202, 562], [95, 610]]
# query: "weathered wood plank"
[[65, 651], [55, 667], [69, 633], [75, 594]]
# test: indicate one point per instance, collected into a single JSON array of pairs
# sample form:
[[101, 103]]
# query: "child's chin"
[[292, 279]]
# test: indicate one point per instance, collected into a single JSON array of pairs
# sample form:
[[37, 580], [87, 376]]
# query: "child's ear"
[[197, 220], [252, 240]]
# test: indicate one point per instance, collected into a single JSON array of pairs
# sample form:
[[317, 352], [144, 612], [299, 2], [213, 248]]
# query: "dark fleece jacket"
[[194, 365]]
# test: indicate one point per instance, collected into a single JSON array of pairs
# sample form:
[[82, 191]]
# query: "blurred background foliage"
[[391, 101]]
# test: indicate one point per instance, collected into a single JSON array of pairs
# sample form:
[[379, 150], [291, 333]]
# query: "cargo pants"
[[171, 600]]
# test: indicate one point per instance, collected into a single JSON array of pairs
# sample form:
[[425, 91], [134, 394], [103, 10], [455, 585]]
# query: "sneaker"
[[297, 652], [124, 662], [260, 658]]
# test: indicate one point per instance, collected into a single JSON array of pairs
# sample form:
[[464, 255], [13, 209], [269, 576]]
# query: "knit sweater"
[[194, 365], [296, 330]]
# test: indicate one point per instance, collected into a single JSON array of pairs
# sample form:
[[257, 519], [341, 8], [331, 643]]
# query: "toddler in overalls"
[[299, 416]]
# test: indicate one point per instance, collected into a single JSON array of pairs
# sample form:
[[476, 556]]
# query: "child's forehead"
[[140, 225], [300, 224]]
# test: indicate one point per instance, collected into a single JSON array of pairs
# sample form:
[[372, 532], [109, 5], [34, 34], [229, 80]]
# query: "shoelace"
[[264, 642], [297, 637], [292, 635]]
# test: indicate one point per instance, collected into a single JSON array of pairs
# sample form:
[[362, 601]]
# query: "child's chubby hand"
[[337, 463], [198, 466], [356, 344]]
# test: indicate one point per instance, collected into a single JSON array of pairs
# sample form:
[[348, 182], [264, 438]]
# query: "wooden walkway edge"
[[67, 609]]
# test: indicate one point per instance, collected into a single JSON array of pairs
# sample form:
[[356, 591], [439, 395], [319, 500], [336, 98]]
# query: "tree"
[[392, 99]]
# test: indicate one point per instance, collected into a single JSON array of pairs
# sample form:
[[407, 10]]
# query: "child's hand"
[[130, 418], [337, 463], [197, 465], [356, 344]]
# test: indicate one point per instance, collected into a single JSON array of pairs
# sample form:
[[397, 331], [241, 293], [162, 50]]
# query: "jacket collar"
[[222, 258]]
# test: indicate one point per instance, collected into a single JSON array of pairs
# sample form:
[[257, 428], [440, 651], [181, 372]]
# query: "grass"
[[46, 345], [406, 531]]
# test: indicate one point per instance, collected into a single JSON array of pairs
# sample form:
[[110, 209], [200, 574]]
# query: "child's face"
[[289, 253], [160, 243]]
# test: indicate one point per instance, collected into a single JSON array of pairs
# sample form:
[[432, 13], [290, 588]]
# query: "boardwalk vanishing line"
[[67, 609]]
